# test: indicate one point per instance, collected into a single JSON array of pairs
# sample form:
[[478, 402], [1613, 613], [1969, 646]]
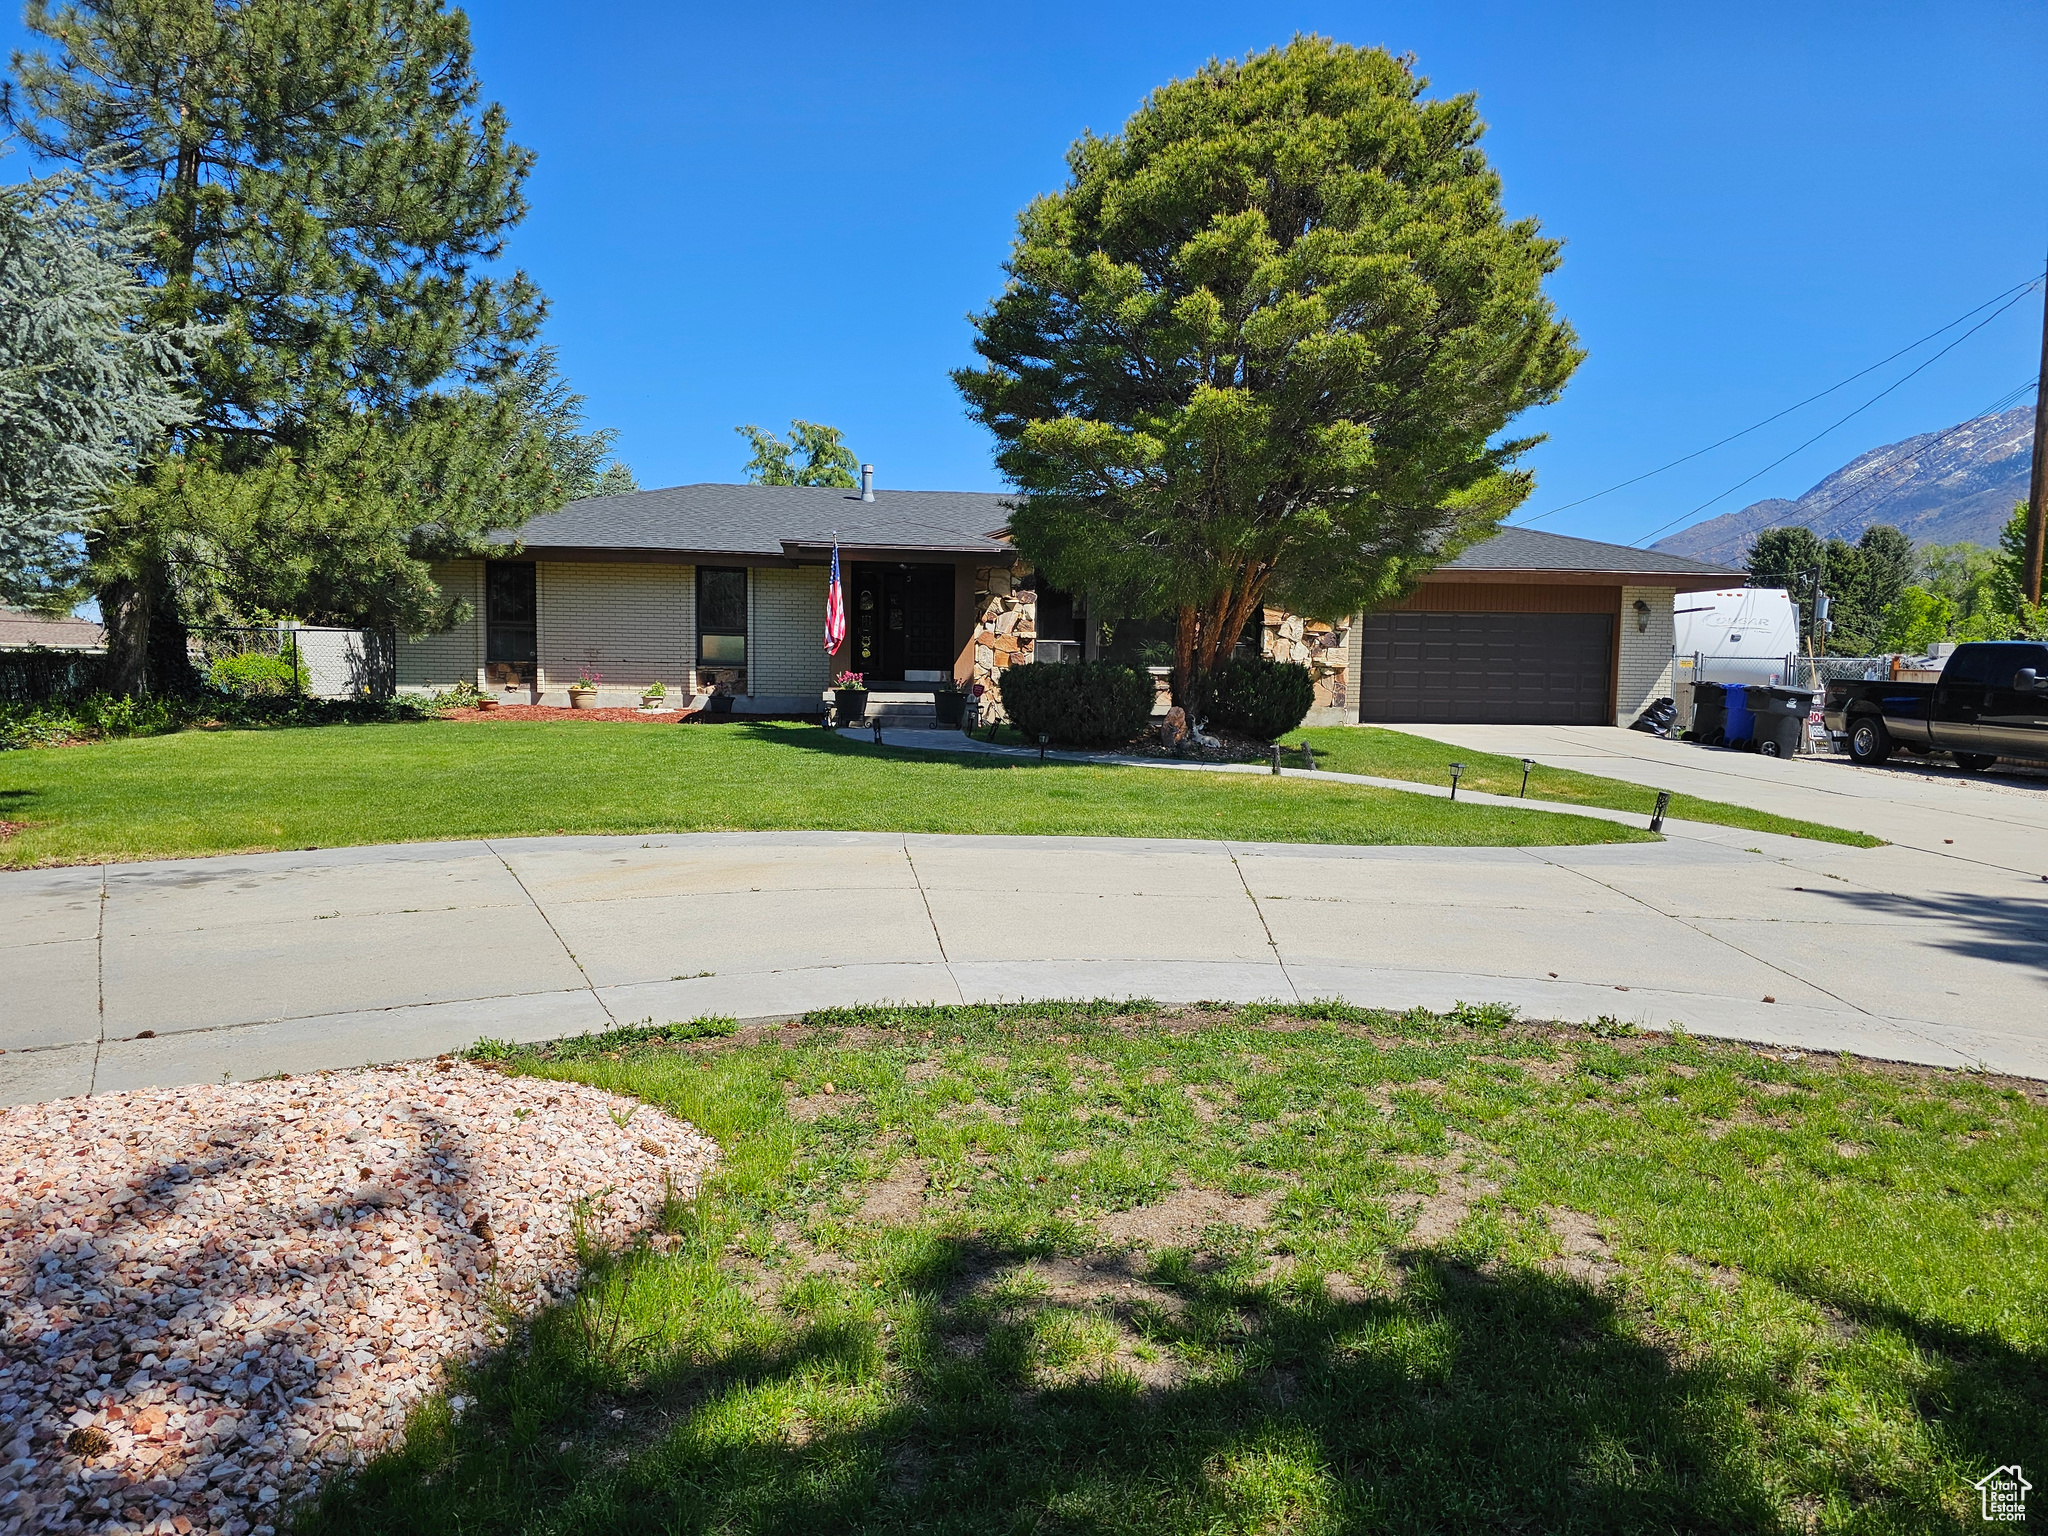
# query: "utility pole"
[[2037, 482]]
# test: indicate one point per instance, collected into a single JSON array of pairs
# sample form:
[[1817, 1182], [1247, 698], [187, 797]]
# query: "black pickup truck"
[[1991, 702]]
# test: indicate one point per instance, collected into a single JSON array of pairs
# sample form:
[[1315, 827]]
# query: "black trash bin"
[[1710, 713], [1780, 718]]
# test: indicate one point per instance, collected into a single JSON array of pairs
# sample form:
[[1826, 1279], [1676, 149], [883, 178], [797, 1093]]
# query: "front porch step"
[[901, 712]]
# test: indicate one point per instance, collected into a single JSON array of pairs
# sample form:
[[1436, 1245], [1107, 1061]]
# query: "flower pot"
[[486, 702], [949, 707], [583, 698], [849, 704], [653, 700]]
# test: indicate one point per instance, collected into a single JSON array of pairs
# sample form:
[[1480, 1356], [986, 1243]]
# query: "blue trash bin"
[[1740, 729]]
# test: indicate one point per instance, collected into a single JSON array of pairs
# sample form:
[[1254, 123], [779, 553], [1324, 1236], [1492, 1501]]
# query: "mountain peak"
[[1938, 488]]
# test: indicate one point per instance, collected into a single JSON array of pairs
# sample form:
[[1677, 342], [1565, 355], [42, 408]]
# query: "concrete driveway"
[[136, 974]]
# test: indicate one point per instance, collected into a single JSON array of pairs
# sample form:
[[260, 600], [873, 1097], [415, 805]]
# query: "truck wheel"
[[1975, 762], [1869, 741]]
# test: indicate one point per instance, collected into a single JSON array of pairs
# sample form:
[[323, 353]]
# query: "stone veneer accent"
[[1323, 648], [1005, 627], [1644, 673]]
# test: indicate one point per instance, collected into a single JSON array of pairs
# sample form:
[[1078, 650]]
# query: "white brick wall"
[[436, 662], [635, 623], [1645, 661], [786, 632]]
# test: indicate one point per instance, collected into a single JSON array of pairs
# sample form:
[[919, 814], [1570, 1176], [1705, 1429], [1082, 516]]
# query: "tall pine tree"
[[324, 187]]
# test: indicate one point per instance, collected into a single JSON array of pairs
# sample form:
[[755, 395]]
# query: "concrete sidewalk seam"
[[100, 969], [931, 917], [588, 985], [1264, 926]]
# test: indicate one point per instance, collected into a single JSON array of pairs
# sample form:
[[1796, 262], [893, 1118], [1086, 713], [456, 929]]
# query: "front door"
[[903, 622]]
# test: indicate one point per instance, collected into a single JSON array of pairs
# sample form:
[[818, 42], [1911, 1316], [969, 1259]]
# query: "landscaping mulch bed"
[[553, 712], [215, 1295]]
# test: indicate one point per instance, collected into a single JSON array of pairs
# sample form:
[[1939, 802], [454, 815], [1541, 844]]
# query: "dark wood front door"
[[903, 622]]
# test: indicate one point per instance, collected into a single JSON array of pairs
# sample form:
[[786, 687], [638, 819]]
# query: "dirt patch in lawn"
[[899, 1199], [1185, 1214]]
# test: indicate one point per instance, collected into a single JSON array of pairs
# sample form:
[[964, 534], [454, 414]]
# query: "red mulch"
[[551, 712]]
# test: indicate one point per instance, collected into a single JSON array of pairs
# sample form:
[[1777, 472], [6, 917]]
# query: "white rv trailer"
[[1740, 634]]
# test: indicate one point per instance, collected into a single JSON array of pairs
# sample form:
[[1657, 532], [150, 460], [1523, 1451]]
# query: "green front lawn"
[[1387, 754], [200, 792], [1112, 1268]]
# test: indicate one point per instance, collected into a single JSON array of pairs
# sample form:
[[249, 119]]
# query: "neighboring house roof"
[[19, 630], [769, 520], [1513, 551]]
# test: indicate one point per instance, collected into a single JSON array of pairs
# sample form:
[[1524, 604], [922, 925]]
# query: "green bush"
[[1257, 696], [1080, 703], [254, 675]]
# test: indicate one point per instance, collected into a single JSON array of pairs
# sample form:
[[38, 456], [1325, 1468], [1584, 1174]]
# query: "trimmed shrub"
[[1082, 703], [254, 675], [1260, 697]]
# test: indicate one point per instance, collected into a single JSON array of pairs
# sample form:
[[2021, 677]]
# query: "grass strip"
[[205, 792], [1095, 1267], [1384, 754]]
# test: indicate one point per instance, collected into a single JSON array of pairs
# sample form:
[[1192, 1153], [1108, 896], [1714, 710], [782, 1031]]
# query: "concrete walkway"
[[136, 974]]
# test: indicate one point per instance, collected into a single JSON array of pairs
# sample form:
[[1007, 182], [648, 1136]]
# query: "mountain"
[[1939, 488]]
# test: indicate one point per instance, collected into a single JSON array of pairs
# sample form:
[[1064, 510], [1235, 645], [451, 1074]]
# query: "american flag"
[[835, 608]]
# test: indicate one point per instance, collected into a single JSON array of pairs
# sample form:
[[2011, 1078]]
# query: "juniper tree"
[[322, 185], [1263, 346], [84, 391]]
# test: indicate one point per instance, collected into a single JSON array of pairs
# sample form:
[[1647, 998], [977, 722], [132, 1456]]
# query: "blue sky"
[[748, 213]]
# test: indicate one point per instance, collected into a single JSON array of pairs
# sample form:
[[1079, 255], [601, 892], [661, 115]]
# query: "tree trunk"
[[124, 609]]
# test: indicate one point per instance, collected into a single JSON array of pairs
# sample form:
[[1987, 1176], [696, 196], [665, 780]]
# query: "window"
[[509, 608], [722, 616]]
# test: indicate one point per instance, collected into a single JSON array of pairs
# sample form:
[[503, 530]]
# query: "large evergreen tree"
[[324, 187], [1263, 346], [84, 391]]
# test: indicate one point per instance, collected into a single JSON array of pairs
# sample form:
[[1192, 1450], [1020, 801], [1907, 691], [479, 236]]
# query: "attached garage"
[[1502, 668], [1529, 628]]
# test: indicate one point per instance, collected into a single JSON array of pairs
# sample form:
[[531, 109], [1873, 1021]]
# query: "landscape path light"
[[1308, 757], [1276, 759], [1663, 805], [1527, 764], [1041, 746], [1457, 772], [878, 731]]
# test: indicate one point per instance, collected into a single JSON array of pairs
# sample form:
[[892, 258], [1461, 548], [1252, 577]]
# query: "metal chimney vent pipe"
[[867, 482]]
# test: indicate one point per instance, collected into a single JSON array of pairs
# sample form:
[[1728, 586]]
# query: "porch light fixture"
[[1527, 764], [1457, 772], [1642, 616]]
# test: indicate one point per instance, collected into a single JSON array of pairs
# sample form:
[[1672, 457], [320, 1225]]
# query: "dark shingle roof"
[[763, 519], [770, 520], [1530, 549]]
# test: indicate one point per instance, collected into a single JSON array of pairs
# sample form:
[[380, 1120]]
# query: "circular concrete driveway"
[[1934, 949]]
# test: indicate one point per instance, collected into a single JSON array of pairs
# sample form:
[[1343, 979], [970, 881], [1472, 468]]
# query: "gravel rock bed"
[[213, 1295]]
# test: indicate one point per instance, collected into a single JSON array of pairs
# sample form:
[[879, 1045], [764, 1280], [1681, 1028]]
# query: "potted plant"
[[948, 705], [583, 692], [652, 698], [849, 696]]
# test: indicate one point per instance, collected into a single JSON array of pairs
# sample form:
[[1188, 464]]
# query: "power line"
[[1787, 411], [1824, 431]]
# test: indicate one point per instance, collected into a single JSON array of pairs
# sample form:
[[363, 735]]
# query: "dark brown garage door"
[[1487, 668]]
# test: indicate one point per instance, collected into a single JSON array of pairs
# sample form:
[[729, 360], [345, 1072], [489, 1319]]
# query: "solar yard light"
[[1663, 805], [1041, 746], [878, 731], [1457, 772], [1527, 764], [1308, 757], [1276, 760]]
